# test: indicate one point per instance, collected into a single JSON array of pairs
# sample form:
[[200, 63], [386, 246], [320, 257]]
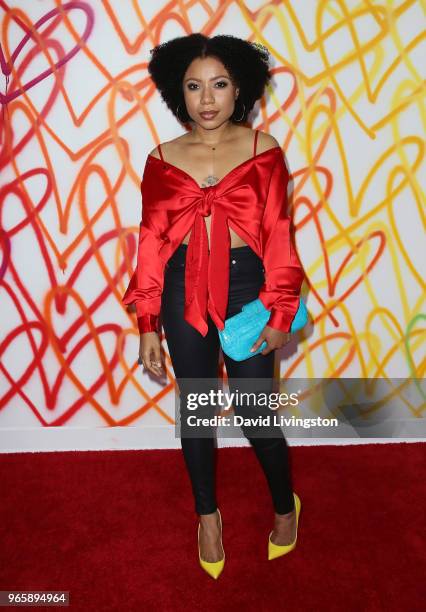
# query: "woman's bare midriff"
[[235, 239]]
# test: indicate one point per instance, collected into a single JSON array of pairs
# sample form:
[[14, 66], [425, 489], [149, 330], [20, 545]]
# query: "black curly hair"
[[246, 62]]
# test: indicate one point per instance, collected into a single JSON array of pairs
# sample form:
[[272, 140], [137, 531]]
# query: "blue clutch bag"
[[242, 330]]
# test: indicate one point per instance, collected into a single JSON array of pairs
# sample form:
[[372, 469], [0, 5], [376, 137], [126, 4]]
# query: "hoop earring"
[[241, 118], [177, 114]]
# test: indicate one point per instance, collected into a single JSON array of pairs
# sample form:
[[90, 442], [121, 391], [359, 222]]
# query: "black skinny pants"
[[194, 356]]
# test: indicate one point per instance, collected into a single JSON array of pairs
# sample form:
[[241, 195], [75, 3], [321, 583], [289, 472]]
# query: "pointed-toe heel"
[[213, 568], [275, 550]]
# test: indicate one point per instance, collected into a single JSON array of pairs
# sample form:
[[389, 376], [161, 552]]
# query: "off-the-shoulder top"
[[251, 200]]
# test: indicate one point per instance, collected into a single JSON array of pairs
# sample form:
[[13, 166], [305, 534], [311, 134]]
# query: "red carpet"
[[118, 530]]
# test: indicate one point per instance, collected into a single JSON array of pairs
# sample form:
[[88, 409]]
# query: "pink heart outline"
[[6, 67]]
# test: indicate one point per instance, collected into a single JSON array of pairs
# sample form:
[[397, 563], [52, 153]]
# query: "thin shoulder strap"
[[256, 132], [160, 152]]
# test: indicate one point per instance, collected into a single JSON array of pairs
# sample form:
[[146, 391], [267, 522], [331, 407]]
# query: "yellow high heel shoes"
[[213, 568], [275, 550]]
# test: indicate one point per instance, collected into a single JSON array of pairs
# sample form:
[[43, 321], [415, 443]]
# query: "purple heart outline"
[[6, 67]]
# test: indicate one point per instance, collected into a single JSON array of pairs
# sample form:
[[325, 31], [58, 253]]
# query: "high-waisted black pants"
[[195, 356]]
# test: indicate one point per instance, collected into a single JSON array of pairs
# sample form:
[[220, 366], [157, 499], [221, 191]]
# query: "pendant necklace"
[[211, 179]]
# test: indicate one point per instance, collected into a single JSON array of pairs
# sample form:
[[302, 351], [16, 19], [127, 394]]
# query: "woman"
[[214, 236]]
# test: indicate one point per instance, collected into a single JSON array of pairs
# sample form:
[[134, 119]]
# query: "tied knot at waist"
[[205, 206]]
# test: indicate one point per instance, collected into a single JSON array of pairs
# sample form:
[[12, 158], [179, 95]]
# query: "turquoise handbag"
[[242, 330]]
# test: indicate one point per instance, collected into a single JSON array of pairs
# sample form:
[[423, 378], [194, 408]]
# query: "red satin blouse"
[[251, 200]]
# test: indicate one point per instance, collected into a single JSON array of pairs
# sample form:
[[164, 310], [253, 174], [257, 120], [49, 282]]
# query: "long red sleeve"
[[146, 285], [284, 275]]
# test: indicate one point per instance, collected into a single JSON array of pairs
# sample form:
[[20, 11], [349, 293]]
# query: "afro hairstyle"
[[246, 62]]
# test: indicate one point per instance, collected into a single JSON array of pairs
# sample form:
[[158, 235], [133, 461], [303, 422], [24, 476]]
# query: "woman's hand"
[[150, 352], [274, 338]]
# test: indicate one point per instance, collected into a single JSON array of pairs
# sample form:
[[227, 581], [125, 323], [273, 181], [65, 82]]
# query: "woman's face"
[[207, 86]]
